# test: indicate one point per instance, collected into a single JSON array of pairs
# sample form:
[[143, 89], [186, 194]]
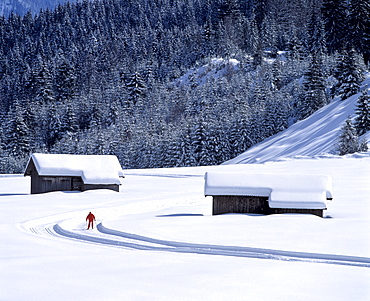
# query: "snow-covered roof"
[[283, 190], [93, 169]]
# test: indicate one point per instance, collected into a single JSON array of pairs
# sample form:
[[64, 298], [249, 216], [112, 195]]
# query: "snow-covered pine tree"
[[44, 85], [364, 145], [276, 116], [199, 140], [358, 33], [362, 123], [65, 81], [53, 131], [335, 17], [316, 35], [254, 43], [136, 88], [217, 146], [348, 142], [349, 74], [239, 137], [184, 142], [17, 142], [69, 119], [314, 88]]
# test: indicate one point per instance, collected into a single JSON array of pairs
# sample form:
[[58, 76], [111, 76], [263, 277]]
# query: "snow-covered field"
[[157, 240]]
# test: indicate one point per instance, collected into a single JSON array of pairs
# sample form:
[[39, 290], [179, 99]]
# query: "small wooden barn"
[[62, 172], [268, 193]]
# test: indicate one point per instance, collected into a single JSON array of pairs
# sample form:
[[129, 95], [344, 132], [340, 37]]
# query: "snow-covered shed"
[[62, 172], [268, 193]]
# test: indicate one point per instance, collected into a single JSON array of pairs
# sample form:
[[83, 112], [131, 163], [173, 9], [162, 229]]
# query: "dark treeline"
[[172, 82]]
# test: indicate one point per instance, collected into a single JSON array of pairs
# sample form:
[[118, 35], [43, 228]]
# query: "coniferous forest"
[[173, 82]]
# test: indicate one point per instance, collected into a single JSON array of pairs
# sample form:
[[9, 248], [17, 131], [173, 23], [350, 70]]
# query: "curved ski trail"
[[110, 237]]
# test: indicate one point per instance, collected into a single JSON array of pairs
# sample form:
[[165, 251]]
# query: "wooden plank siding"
[[55, 184], [240, 204], [317, 212], [252, 204], [42, 184], [100, 186]]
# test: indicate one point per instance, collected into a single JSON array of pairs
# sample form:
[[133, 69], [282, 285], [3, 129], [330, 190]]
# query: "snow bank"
[[283, 190], [93, 169]]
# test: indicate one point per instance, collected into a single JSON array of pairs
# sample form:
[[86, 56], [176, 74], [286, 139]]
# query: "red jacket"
[[90, 217]]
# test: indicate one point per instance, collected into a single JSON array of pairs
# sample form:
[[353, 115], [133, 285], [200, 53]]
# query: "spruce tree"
[[363, 113], [334, 17], [348, 142], [315, 31], [199, 140], [349, 74], [239, 138], [314, 88], [17, 142], [65, 81], [69, 119], [359, 27], [54, 126], [185, 148], [44, 86], [136, 88]]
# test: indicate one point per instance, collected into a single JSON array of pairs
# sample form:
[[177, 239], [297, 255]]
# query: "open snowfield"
[[157, 240]]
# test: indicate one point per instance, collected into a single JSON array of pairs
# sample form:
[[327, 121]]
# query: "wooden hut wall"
[[239, 204], [47, 184], [318, 212], [252, 204], [114, 187]]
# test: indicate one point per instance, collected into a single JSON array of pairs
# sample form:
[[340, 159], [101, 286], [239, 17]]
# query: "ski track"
[[114, 238]]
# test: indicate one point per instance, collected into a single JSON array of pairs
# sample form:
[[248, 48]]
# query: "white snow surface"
[[216, 68], [157, 240], [283, 190], [93, 169]]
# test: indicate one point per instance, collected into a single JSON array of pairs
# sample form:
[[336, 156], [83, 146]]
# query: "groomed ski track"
[[118, 239]]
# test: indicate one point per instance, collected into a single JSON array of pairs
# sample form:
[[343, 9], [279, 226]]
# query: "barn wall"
[[114, 187], [76, 184], [42, 184], [252, 204], [240, 204], [48, 184], [35, 186], [55, 184], [318, 212]]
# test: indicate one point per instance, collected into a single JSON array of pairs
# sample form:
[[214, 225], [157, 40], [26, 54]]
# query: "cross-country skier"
[[90, 217]]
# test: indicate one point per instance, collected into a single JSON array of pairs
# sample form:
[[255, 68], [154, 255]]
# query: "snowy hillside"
[[313, 136]]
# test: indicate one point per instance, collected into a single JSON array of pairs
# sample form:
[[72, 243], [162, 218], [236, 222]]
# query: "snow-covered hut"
[[61, 172], [268, 193]]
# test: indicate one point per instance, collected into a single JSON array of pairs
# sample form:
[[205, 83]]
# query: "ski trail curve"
[[131, 241]]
